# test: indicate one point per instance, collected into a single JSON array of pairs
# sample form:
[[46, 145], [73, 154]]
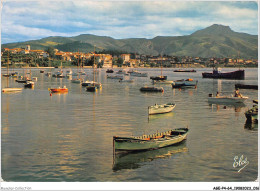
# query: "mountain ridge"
[[215, 40]]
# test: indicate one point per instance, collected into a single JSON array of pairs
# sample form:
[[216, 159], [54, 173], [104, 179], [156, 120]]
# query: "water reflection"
[[160, 116], [135, 160], [251, 126], [236, 106]]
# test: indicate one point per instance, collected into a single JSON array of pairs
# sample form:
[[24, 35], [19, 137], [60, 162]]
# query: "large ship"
[[238, 74]]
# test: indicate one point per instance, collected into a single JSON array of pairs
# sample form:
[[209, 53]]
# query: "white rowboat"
[[158, 109]]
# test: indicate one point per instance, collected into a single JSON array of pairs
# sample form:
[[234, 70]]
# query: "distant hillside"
[[216, 40]]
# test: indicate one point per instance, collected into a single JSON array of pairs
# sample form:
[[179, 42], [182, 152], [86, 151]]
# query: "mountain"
[[215, 40]]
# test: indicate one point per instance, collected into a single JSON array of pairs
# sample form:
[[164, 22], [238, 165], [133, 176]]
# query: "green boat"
[[150, 142]]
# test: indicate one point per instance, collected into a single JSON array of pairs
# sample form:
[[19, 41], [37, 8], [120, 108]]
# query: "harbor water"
[[68, 137]]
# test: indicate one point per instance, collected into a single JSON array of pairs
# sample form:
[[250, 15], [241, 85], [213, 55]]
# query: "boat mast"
[[94, 66], [161, 66], [7, 81]]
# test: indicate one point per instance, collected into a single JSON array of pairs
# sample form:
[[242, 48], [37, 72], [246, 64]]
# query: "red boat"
[[58, 90]]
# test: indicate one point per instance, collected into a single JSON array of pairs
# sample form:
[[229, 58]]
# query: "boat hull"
[[160, 109], [239, 74], [158, 77], [244, 86], [184, 71], [227, 99], [136, 144], [151, 89], [58, 90]]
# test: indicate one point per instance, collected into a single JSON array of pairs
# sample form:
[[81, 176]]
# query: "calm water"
[[68, 137]]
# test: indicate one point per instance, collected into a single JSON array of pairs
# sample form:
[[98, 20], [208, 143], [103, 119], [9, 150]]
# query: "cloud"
[[122, 19]]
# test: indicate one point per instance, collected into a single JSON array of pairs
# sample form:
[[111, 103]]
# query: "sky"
[[31, 20]]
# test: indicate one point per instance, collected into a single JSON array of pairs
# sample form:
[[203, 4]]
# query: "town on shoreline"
[[53, 58]]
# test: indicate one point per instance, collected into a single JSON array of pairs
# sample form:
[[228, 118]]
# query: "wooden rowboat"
[[150, 142]]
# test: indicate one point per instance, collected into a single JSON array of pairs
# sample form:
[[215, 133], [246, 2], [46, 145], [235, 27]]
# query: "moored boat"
[[238, 74], [91, 83], [59, 89], [128, 81], [76, 81], [184, 83], [115, 77], [184, 70], [29, 84], [138, 74], [110, 71], [123, 72], [41, 71], [159, 109], [158, 77], [150, 142], [244, 86], [226, 99], [151, 89]]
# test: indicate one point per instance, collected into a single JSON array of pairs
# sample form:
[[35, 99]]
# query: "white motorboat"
[[226, 99], [158, 109]]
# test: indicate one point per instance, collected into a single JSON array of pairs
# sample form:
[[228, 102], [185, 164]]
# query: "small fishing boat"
[[29, 84], [149, 142], [159, 109], [76, 81], [123, 72], [128, 81], [58, 90], [238, 74], [138, 74], [91, 83], [23, 80], [115, 77], [6, 75], [226, 99], [151, 89], [244, 86], [252, 115], [131, 71], [41, 71], [14, 74], [184, 83], [110, 71], [158, 77], [48, 74], [184, 70]]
